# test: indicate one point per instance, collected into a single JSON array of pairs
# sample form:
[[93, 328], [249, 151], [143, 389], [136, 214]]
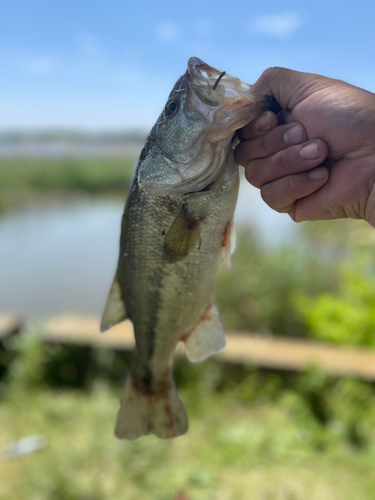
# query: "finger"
[[293, 160], [281, 195], [268, 144], [267, 121]]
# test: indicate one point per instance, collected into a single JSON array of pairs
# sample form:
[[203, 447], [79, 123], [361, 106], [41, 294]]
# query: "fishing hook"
[[218, 80]]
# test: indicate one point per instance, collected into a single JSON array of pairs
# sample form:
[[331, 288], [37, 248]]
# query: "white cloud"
[[40, 65], [203, 28], [281, 25], [168, 31]]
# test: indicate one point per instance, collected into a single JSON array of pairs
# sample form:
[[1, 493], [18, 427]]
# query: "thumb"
[[289, 87]]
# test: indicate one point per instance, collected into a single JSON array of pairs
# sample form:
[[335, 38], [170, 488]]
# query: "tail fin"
[[142, 413]]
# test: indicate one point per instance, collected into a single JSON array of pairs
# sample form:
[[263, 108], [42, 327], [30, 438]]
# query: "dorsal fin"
[[114, 310], [207, 338]]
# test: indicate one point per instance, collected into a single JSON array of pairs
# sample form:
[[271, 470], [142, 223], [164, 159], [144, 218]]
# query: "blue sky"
[[111, 65]]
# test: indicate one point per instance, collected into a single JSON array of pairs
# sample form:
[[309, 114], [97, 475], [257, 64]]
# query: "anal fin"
[[114, 310], [207, 338]]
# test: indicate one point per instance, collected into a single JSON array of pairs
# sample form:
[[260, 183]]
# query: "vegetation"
[[24, 178], [348, 315], [259, 292], [254, 434], [317, 287]]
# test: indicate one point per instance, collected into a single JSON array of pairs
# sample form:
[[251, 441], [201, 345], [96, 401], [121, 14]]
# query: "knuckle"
[[251, 174], [289, 185], [266, 143], [323, 149], [297, 217], [292, 213], [281, 197], [266, 193], [266, 74], [241, 154], [273, 71], [281, 161]]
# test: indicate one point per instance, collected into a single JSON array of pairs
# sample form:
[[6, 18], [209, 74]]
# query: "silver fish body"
[[176, 225]]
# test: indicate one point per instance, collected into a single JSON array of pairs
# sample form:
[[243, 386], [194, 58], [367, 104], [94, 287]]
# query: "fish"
[[177, 223]]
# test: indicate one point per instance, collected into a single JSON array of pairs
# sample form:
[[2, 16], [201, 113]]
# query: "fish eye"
[[171, 107]]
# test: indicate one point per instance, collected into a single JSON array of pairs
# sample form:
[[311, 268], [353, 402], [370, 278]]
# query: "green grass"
[[253, 434], [24, 177], [232, 451]]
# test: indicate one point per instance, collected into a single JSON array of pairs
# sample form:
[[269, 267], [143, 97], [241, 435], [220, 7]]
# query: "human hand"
[[322, 167]]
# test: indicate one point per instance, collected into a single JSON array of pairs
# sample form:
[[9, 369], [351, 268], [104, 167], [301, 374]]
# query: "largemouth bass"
[[177, 223]]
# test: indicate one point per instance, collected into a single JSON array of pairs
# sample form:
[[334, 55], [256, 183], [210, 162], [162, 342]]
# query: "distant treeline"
[[23, 179], [71, 135]]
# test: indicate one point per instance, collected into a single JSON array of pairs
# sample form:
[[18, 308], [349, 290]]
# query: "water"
[[61, 257], [271, 227], [57, 259]]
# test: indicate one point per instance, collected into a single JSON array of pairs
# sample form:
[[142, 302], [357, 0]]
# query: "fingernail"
[[318, 174], [310, 151], [263, 123], [294, 135]]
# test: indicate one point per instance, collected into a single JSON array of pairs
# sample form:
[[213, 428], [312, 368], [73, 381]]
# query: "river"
[[61, 256]]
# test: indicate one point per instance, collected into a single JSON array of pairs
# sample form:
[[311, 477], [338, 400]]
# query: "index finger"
[[266, 121]]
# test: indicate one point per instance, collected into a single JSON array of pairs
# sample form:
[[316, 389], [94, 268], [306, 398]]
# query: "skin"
[[316, 159]]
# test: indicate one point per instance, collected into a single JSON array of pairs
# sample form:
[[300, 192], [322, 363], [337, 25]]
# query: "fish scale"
[[176, 225]]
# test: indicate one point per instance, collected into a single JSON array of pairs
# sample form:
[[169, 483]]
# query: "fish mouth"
[[200, 73], [235, 103]]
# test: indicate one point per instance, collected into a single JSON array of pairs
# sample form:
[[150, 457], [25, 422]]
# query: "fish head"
[[187, 147]]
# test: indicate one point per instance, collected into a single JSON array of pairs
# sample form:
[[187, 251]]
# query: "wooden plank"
[[78, 329], [242, 348], [293, 354], [9, 324]]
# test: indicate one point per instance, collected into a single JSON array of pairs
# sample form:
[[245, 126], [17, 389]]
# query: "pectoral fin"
[[114, 311], [207, 338], [182, 236]]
